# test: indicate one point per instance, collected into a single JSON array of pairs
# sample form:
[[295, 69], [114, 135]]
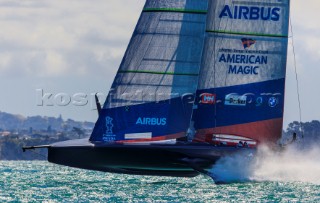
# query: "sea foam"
[[293, 164]]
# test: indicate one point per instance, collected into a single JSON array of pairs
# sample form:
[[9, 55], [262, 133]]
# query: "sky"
[[70, 48]]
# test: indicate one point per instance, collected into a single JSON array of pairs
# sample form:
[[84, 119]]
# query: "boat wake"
[[291, 165]]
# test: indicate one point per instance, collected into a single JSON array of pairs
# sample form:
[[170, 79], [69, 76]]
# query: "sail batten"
[[247, 33]]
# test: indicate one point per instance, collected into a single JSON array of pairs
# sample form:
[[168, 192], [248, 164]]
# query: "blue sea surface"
[[40, 181]]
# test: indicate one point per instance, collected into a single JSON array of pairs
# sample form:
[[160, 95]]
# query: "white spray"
[[290, 165]]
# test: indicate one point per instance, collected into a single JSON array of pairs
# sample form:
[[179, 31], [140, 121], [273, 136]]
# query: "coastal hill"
[[17, 131], [10, 122]]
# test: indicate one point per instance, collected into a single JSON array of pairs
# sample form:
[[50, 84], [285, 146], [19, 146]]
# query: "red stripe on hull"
[[268, 131], [160, 138]]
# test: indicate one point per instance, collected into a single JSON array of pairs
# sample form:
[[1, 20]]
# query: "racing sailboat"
[[200, 79]]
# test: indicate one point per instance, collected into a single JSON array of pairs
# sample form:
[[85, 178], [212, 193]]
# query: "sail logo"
[[109, 125], [152, 121], [235, 100], [207, 98], [273, 102], [109, 136], [247, 43], [250, 13]]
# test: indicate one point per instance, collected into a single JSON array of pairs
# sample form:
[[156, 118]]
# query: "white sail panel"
[[228, 60], [246, 42]]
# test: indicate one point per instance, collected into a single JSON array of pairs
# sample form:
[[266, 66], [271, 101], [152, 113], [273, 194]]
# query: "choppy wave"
[[44, 182]]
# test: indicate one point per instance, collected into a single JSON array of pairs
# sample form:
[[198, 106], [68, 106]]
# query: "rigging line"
[[297, 79]]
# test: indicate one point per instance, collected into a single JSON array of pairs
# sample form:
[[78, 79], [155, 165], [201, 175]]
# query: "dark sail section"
[[151, 96], [241, 84]]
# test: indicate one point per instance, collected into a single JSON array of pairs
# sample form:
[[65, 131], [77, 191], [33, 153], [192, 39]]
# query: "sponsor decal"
[[259, 101], [243, 59], [247, 43], [250, 13], [208, 98], [243, 70], [273, 102], [249, 64], [151, 121], [109, 136], [235, 100], [244, 51]]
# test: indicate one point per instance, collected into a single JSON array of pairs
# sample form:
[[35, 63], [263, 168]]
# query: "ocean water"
[[288, 177]]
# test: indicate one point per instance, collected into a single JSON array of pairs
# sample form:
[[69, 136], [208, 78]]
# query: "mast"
[[150, 97], [243, 69]]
